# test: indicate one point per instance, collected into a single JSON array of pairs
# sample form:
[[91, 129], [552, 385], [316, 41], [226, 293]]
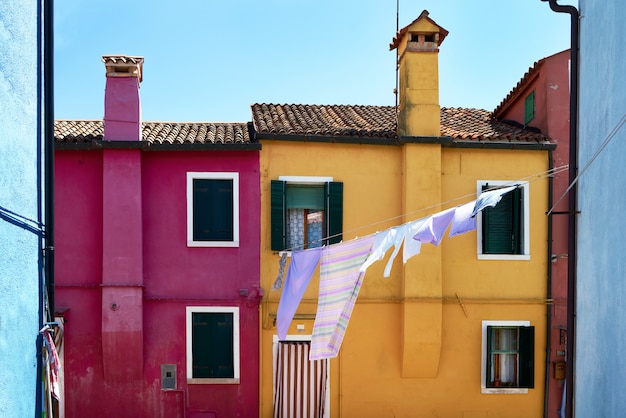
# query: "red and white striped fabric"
[[299, 384]]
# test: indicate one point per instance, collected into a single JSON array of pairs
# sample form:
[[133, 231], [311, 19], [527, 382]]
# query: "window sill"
[[519, 257], [503, 391], [212, 243], [216, 381]]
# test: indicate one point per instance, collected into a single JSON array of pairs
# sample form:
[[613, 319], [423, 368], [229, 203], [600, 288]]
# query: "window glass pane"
[[212, 345], [504, 357], [213, 210], [305, 196], [304, 228]]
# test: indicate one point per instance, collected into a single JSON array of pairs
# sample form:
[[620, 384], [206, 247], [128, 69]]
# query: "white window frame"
[[191, 176], [525, 228], [190, 310], [483, 360]]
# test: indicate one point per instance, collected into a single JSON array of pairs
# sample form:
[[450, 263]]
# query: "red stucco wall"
[[173, 276]]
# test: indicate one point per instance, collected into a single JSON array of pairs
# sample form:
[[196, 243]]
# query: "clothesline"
[[530, 178], [343, 266]]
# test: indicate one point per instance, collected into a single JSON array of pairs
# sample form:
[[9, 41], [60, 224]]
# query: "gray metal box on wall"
[[168, 376]]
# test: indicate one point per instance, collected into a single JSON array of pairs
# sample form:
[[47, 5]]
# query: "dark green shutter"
[[529, 108], [278, 214], [213, 210], [527, 357], [334, 212], [212, 345], [502, 224], [488, 363]]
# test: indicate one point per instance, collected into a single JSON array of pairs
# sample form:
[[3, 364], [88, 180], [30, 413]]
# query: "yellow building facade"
[[421, 342]]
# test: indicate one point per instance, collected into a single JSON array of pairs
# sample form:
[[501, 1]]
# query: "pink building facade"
[[157, 261], [541, 100]]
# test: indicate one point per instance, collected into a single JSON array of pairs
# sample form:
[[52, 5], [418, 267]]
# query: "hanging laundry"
[[53, 363], [432, 230], [463, 220], [383, 241], [301, 268], [490, 198], [278, 283], [340, 282], [411, 247]]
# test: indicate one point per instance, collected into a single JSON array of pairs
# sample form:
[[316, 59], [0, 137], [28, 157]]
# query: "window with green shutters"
[[305, 213], [212, 344], [529, 108], [501, 226], [503, 230], [510, 357]]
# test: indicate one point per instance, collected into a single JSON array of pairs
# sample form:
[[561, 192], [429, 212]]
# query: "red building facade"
[[157, 261]]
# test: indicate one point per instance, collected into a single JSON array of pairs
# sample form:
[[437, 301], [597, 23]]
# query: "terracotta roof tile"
[[460, 124], [330, 120], [162, 133]]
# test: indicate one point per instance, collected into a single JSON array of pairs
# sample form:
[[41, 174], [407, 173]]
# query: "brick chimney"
[[122, 108], [418, 66]]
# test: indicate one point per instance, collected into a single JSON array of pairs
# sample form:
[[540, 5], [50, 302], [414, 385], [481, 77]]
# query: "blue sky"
[[209, 60]]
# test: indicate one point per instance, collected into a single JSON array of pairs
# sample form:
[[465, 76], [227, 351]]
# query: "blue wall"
[[601, 274], [19, 248]]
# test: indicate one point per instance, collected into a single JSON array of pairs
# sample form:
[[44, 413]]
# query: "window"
[[529, 108], [307, 212], [508, 357], [504, 229], [212, 344], [213, 209]]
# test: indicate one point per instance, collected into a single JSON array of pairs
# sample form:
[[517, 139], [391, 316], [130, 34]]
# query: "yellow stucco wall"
[[411, 349]]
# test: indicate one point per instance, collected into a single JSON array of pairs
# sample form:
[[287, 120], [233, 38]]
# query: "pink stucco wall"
[[173, 276]]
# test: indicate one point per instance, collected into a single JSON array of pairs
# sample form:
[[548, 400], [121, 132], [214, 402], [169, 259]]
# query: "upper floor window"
[[529, 108], [508, 356], [212, 209], [503, 230], [306, 212]]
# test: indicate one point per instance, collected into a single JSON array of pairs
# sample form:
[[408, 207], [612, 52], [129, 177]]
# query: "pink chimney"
[[122, 109]]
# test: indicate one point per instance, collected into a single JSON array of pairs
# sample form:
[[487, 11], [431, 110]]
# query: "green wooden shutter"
[[489, 362], [278, 213], [529, 108], [502, 224], [213, 217], [334, 212], [212, 345], [526, 357]]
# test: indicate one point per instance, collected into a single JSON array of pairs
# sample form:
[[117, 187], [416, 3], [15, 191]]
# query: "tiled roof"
[[318, 120], [460, 124], [161, 133]]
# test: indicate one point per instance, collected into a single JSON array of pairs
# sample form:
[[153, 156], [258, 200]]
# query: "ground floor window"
[[508, 355], [212, 344]]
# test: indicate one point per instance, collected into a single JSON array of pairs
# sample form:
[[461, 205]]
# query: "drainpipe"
[[549, 306], [572, 201], [49, 152]]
